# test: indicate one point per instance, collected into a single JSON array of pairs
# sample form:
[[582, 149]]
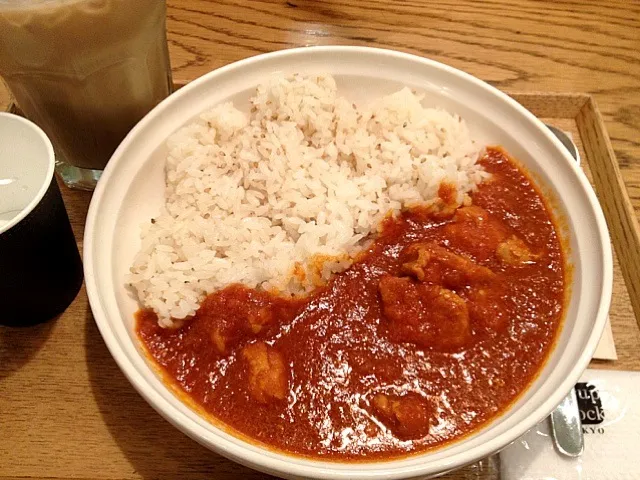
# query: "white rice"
[[305, 174]]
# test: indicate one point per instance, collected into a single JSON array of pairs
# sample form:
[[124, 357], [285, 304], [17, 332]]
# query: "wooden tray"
[[73, 414]]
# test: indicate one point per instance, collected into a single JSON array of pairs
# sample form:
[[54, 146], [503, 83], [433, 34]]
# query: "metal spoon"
[[566, 427], [566, 141]]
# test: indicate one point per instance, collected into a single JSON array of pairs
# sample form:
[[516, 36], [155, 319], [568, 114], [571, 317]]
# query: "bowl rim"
[[291, 466]]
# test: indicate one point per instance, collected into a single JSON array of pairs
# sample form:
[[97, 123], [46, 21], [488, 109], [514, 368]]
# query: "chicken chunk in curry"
[[488, 307], [408, 416], [267, 372], [237, 314], [514, 251], [426, 315], [475, 231], [431, 263], [478, 287]]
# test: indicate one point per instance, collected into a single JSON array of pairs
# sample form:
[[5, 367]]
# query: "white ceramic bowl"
[[131, 191]]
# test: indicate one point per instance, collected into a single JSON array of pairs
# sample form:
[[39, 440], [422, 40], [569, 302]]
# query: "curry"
[[432, 332]]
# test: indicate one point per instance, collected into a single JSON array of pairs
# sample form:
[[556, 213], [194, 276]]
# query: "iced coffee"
[[86, 71]]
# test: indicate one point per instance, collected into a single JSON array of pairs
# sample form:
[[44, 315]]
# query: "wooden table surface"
[[66, 410]]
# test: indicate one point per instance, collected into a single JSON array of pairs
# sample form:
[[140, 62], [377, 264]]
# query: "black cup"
[[40, 266]]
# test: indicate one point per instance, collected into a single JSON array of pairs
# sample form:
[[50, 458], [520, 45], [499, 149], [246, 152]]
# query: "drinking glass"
[[85, 71]]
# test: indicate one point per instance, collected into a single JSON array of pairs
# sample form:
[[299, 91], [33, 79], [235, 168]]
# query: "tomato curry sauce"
[[433, 331]]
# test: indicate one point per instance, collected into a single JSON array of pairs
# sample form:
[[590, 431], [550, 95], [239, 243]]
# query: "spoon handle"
[[566, 426]]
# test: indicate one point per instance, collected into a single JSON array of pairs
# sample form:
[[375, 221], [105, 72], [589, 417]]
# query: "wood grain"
[[607, 179], [66, 410]]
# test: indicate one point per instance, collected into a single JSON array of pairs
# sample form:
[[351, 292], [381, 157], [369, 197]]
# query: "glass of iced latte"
[[86, 71]]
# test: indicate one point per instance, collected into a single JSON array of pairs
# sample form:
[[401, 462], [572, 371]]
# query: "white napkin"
[[606, 349], [610, 411]]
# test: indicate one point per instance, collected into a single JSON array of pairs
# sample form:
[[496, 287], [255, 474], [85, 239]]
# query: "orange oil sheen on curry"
[[431, 333]]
